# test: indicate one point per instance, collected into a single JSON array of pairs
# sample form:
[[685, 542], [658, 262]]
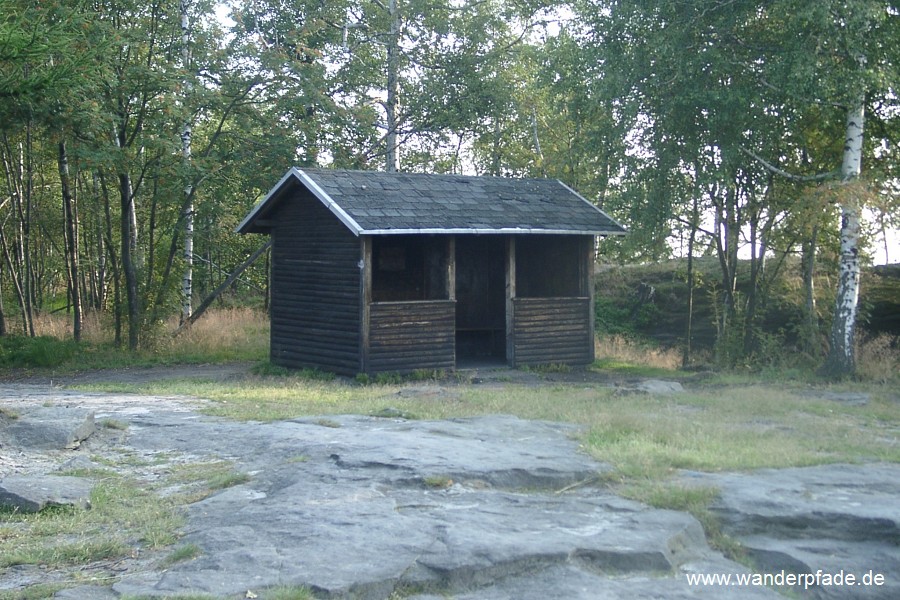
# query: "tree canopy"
[[135, 135]]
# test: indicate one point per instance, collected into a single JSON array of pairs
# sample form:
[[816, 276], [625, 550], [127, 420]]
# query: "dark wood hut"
[[379, 272]]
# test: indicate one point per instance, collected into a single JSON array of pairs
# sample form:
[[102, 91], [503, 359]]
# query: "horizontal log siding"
[[315, 288], [552, 330], [405, 336]]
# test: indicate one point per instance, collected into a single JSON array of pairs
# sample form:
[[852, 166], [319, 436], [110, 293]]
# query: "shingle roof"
[[377, 203]]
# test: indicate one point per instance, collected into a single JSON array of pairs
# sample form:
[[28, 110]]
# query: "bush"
[[611, 318], [35, 352]]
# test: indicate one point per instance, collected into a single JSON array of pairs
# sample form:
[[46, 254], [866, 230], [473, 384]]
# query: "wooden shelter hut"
[[394, 272]]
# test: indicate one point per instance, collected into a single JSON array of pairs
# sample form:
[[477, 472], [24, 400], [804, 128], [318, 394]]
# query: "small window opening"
[[409, 268], [549, 266]]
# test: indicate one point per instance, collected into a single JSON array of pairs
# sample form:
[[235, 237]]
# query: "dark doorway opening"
[[480, 299]]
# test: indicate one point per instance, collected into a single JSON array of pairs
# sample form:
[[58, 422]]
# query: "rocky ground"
[[482, 508]]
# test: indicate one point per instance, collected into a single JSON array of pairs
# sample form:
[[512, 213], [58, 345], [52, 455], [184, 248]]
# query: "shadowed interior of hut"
[[480, 300]]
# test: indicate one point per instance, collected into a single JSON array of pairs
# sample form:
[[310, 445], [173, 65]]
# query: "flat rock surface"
[[837, 519], [481, 508]]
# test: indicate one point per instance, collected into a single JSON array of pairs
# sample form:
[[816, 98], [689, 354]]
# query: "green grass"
[[286, 592], [622, 367], [206, 477], [182, 554], [40, 591], [122, 516], [438, 482], [125, 516]]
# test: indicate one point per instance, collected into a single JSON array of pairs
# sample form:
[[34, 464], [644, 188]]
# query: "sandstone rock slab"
[[33, 493], [833, 519], [357, 516], [58, 429]]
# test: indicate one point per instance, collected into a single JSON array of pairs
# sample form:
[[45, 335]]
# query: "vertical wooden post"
[[451, 267], [365, 300], [451, 285], [510, 300], [588, 280]]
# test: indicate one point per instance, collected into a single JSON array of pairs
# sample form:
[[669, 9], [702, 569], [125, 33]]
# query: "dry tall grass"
[[878, 358], [619, 348], [59, 325], [220, 334], [226, 332]]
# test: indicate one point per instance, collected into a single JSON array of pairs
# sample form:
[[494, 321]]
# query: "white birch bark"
[[841, 358], [187, 280]]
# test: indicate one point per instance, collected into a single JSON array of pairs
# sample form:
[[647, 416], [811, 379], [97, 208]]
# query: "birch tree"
[[739, 81]]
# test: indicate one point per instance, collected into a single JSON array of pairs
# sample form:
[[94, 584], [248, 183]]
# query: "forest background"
[[759, 136]]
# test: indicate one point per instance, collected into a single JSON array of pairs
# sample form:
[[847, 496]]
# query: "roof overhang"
[[293, 177], [256, 221], [487, 231]]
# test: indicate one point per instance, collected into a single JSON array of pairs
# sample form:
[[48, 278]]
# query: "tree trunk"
[[841, 360], [100, 302], [114, 262], [27, 275], [128, 266], [2, 313], [726, 252], [14, 172], [187, 280], [689, 325], [811, 318], [71, 225]]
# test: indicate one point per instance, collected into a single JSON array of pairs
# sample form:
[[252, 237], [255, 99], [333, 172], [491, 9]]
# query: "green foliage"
[[35, 352], [614, 316]]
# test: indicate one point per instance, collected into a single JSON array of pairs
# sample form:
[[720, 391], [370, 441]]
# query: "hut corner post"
[[365, 285], [589, 261]]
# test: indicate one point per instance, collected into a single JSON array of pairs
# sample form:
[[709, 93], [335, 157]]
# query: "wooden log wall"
[[552, 330], [406, 336], [315, 288]]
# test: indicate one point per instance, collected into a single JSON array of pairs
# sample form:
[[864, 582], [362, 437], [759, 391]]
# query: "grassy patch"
[[182, 554], [126, 516], [437, 482], [198, 480], [286, 592], [227, 480], [122, 516], [40, 591], [631, 369], [114, 424]]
